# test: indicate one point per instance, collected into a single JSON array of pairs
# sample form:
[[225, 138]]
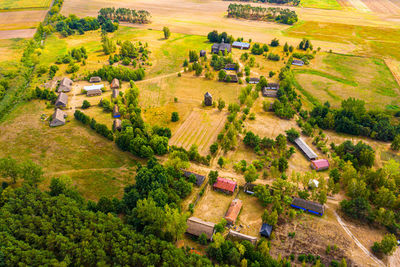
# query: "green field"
[[325, 4], [24, 4], [334, 77]]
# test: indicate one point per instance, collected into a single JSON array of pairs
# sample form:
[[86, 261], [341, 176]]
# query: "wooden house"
[[230, 66], [320, 164], [196, 227], [222, 47], [58, 118], [95, 79], [233, 211], [62, 100], [116, 113], [233, 78], [65, 85], [225, 185], [95, 92], [114, 84], [117, 125], [309, 206], [208, 99], [115, 93]]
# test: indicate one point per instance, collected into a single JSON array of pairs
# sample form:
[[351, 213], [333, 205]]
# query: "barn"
[[114, 83], [233, 211], [254, 80], [233, 78], [65, 85], [225, 185], [117, 125], [236, 236], [208, 99], [93, 87], [307, 151], [58, 118], [298, 62], [222, 47], [320, 164], [196, 227], [62, 100], [240, 45], [95, 92], [115, 93], [95, 79], [199, 178], [309, 206]]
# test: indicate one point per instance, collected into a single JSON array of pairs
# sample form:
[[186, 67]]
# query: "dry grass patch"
[[250, 216], [6, 5]]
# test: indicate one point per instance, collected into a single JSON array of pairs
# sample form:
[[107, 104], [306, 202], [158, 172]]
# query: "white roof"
[[314, 183], [93, 87]]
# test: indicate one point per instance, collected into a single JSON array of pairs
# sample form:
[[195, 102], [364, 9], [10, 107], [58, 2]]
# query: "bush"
[[174, 116], [85, 104]]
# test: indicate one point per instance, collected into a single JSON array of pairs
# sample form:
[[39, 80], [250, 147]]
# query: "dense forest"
[[281, 15], [125, 14]]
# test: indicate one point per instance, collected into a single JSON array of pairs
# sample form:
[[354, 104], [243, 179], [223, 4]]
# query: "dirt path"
[[361, 246], [394, 260], [80, 170], [159, 77]]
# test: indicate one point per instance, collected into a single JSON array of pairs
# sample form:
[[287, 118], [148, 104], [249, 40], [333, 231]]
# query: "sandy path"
[[394, 260]]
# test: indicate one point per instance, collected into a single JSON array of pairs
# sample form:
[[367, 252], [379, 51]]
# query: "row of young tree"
[[281, 15], [279, 2], [98, 127], [125, 15], [122, 73]]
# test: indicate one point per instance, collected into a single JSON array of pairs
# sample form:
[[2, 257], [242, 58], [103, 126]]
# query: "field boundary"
[[326, 75], [303, 91]]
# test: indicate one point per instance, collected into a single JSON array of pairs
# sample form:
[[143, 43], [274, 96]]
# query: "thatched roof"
[[115, 93], [95, 79], [115, 84], [197, 226], [117, 125], [310, 154], [239, 236], [62, 100], [58, 118], [308, 205], [65, 85], [233, 211]]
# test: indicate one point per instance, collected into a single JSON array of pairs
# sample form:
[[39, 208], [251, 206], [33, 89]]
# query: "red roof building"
[[320, 164], [225, 185], [233, 211]]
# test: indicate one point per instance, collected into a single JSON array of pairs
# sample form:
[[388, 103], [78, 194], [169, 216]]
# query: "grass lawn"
[[23, 4], [325, 4]]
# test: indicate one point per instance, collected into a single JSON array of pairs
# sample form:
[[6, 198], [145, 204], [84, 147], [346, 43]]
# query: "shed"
[[233, 78], [320, 164], [115, 93], [196, 226], [95, 79], [208, 99], [254, 80], [222, 47], [117, 125], [239, 236], [199, 178], [266, 230], [313, 183], [230, 66], [307, 151], [233, 211], [240, 45], [62, 100], [203, 53], [225, 185], [114, 83], [58, 118], [94, 92], [65, 85], [249, 188], [297, 62], [116, 113], [309, 206], [93, 87]]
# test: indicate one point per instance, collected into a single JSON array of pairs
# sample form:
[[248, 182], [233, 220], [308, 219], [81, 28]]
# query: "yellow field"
[[23, 4]]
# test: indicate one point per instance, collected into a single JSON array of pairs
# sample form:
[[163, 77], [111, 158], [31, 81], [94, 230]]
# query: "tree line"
[[279, 2], [120, 72], [281, 15], [125, 14]]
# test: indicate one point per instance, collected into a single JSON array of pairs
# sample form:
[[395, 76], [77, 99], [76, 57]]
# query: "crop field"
[[388, 7], [334, 77], [201, 128], [23, 4], [324, 4], [20, 24]]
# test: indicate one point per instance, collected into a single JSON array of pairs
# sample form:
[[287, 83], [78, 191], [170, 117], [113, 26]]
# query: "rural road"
[[361, 246]]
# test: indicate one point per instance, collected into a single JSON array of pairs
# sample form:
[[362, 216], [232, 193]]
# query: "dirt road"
[[394, 260]]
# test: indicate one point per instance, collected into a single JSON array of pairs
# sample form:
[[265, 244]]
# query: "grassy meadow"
[[23, 4], [324, 4]]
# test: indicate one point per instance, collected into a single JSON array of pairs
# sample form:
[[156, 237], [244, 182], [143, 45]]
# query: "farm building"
[[58, 118], [117, 125], [95, 79], [62, 100], [240, 45], [249, 188], [65, 85], [203, 53], [307, 151], [236, 236], [269, 93], [199, 178], [230, 66], [233, 211], [208, 99], [114, 83], [196, 226], [225, 185], [254, 80], [94, 92], [320, 164], [115, 93], [233, 78], [309, 206], [266, 230], [93, 87], [298, 62], [116, 113], [272, 86], [222, 47]]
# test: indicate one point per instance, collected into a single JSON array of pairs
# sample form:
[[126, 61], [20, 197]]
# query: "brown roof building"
[[94, 92], [58, 118], [233, 211], [197, 227], [62, 100], [65, 85], [114, 83]]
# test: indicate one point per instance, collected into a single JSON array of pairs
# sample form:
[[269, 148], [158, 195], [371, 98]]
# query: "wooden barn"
[[62, 100], [65, 85], [208, 99], [254, 80], [225, 185], [58, 118], [309, 206], [114, 84], [196, 227], [95, 79], [115, 93], [307, 151], [266, 230], [222, 47], [230, 66], [233, 211], [233, 78], [298, 62], [199, 178], [320, 164], [94, 92], [116, 113], [236, 236], [240, 45], [117, 125]]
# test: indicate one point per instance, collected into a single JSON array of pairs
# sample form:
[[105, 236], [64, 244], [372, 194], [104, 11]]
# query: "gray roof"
[[199, 178], [115, 83], [207, 95], [62, 100], [94, 92], [297, 62], [221, 47], [65, 85], [266, 229], [115, 93], [197, 226], [236, 235], [309, 205], [95, 79], [272, 86], [241, 45], [310, 154], [58, 118]]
